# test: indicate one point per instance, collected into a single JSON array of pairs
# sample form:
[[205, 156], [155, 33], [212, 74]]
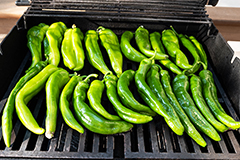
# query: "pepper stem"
[[89, 76], [74, 74], [109, 72], [159, 66], [74, 26], [204, 65], [100, 28], [174, 30]]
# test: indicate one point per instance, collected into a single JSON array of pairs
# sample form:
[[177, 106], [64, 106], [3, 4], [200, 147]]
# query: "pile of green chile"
[[186, 97]]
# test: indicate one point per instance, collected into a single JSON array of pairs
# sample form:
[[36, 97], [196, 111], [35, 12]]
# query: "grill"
[[153, 140]]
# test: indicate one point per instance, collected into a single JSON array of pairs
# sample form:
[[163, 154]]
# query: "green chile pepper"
[[53, 87], [92, 120], [143, 43], [128, 50], [125, 113], [188, 126], [10, 104], [27, 92], [126, 95], [210, 94], [153, 81], [52, 42], [72, 49], [180, 88], [64, 104], [155, 39], [35, 36], [171, 43], [94, 95], [196, 90], [94, 53], [109, 41]]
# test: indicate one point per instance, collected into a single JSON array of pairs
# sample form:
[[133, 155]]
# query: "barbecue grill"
[[153, 140]]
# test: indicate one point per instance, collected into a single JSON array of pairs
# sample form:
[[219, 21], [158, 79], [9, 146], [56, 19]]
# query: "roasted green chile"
[[210, 94], [72, 49], [126, 95], [35, 36], [26, 93], [109, 41], [10, 104], [92, 120], [94, 95], [155, 39], [144, 45], [93, 52], [180, 88], [124, 112], [53, 88], [188, 126], [52, 42], [128, 50]]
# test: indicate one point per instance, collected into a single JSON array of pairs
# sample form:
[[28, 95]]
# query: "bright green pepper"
[[180, 88], [171, 43], [109, 41], [9, 106], [92, 120], [94, 95], [52, 42], [27, 92], [35, 36], [93, 52], [144, 45], [155, 39], [72, 49], [53, 88], [128, 50], [125, 113]]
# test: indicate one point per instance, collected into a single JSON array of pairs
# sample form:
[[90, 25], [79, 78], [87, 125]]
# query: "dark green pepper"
[[210, 94], [126, 95], [53, 88], [52, 42], [197, 95], [92, 120], [155, 39], [180, 88], [35, 36], [9, 106], [94, 95], [144, 45], [109, 41], [188, 126], [72, 49], [94, 53], [128, 50], [153, 81]]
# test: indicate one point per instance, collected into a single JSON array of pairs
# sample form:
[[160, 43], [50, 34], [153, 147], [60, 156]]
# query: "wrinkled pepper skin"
[[27, 92], [92, 120], [94, 95], [53, 88], [153, 81], [109, 41], [52, 42], [171, 43], [210, 95], [126, 95], [144, 45], [10, 104], [155, 39], [93, 52], [201, 52], [128, 50], [72, 49], [180, 88], [64, 104], [35, 36], [124, 112], [189, 128], [196, 90]]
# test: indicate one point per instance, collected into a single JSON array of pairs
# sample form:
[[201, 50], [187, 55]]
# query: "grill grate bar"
[[154, 140], [68, 139], [233, 141], [196, 147], [140, 137], [82, 142], [95, 143], [168, 140], [182, 144], [223, 145], [209, 144], [39, 143], [109, 144]]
